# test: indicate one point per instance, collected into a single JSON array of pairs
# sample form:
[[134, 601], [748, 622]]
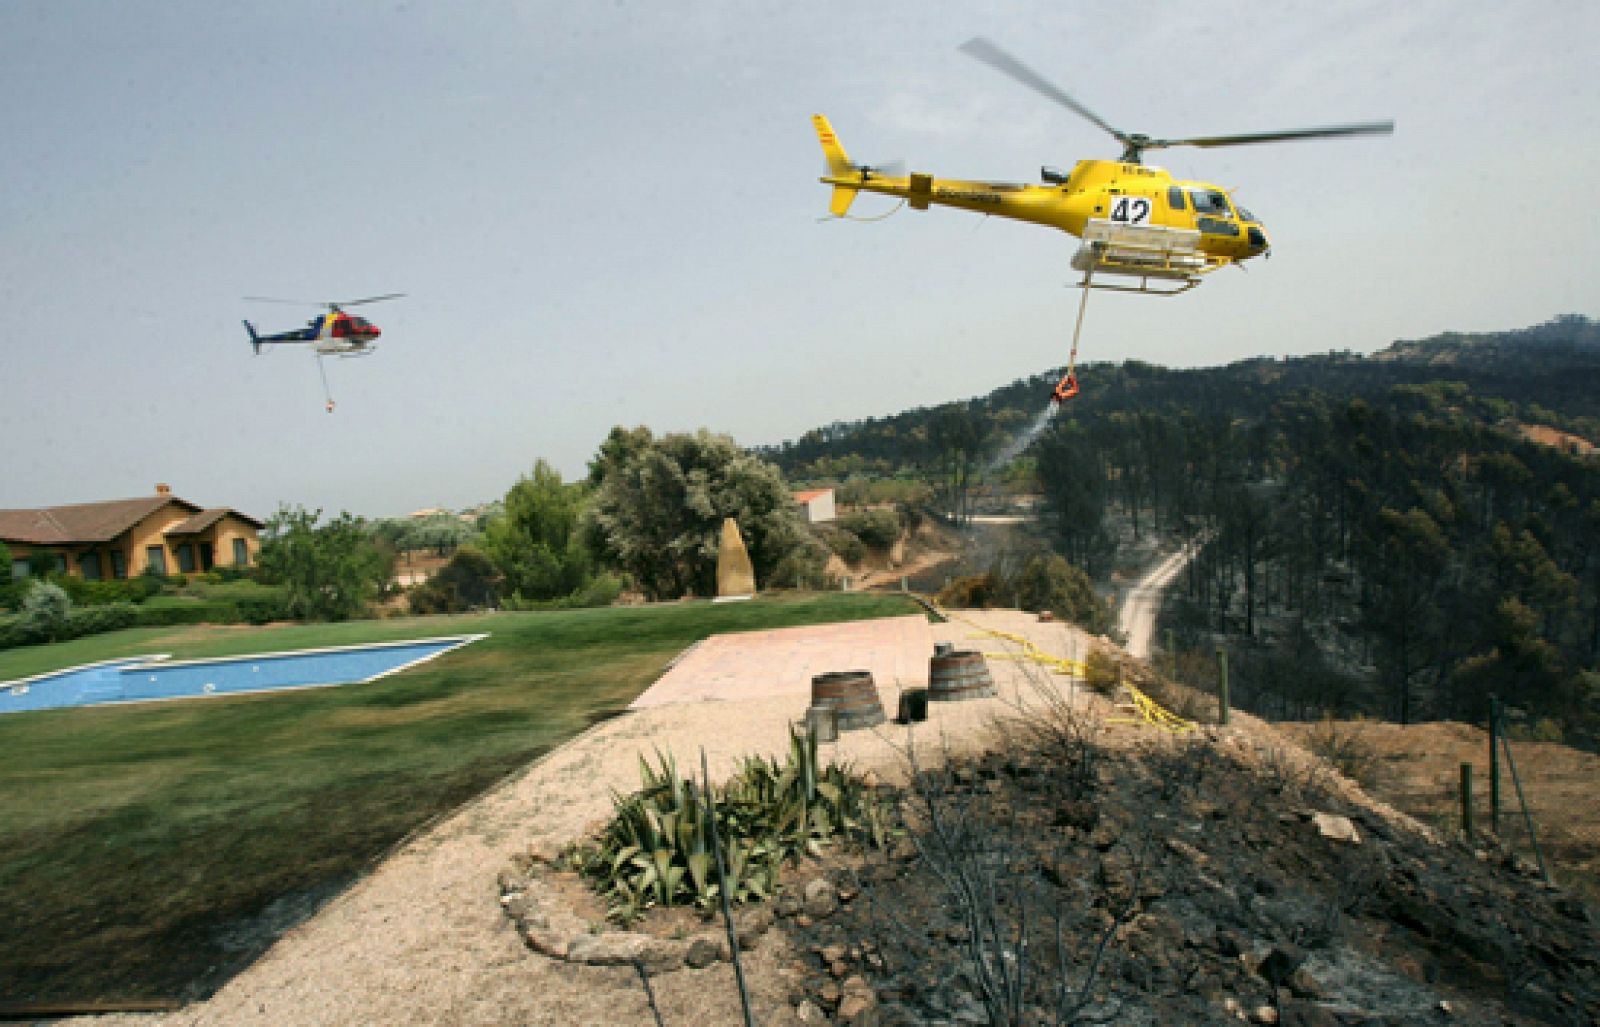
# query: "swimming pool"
[[146, 678]]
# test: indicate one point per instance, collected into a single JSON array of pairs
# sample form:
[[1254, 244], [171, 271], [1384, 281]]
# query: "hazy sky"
[[608, 214]]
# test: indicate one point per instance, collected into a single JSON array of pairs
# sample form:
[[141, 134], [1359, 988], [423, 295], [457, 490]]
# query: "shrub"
[[846, 545], [1347, 747], [975, 591], [468, 580], [1049, 582], [14, 633], [116, 590], [1100, 672], [165, 611], [95, 620], [805, 566], [44, 611], [876, 528]]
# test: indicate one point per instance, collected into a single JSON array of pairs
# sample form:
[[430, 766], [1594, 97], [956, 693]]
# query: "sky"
[[608, 214]]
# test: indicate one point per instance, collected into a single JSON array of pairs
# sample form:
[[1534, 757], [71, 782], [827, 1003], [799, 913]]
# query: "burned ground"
[[1201, 879]]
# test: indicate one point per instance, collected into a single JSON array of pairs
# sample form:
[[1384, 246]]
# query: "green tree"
[[536, 541], [658, 510], [329, 571], [1049, 582], [469, 580]]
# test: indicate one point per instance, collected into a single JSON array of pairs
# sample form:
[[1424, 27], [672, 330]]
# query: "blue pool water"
[[145, 678]]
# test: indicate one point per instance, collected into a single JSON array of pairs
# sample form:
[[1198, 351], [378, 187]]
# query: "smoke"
[[1014, 448]]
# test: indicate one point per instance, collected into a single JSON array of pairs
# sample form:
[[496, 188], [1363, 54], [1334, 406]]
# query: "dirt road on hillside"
[[1137, 619]]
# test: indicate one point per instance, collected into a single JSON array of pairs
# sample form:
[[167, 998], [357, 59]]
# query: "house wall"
[[222, 534], [821, 509], [148, 532]]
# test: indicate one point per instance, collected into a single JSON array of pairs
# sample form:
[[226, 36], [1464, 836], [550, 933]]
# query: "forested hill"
[[1548, 374], [1402, 534]]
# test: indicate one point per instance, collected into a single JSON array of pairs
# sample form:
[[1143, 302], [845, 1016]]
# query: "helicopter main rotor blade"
[[982, 49], [292, 303], [369, 299], [1362, 128]]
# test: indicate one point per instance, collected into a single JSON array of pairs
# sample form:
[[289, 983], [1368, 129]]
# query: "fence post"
[[1494, 765], [1466, 800], [1222, 685]]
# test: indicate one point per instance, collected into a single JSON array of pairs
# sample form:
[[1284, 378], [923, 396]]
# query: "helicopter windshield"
[[1245, 215], [1210, 201]]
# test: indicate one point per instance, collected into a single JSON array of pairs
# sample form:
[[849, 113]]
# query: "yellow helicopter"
[[1135, 221]]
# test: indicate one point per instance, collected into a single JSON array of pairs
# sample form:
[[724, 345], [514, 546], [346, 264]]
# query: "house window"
[[241, 553], [155, 559], [19, 569], [186, 558], [89, 566], [119, 564]]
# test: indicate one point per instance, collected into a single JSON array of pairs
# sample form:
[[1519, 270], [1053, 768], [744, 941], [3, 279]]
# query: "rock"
[[751, 923], [831, 954], [735, 575], [809, 1012], [819, 898], [1187, 851], [859, 1004], [703, 951], [1263, 1014], [1281, 963], [1300, 1013], [1339, 829], [830, 993], [1306, 986], [547, 942], [789, 902]]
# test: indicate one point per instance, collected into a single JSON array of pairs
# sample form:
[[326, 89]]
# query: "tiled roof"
[[81, 522], [206, 518], [808, 496]]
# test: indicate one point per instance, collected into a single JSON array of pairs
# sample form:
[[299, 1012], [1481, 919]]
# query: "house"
[[817, 504], [120, 537]]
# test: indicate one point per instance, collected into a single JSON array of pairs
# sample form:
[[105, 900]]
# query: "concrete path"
[[758, 664]]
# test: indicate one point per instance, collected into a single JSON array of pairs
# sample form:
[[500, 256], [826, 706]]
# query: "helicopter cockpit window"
[[1175, 198], [1245, 215], [1209, 201]]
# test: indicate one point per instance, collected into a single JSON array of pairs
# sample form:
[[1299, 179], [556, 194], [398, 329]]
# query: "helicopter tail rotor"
[[255, 340]]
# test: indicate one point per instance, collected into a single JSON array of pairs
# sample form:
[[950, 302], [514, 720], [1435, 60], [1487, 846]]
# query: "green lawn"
[[136, 840]]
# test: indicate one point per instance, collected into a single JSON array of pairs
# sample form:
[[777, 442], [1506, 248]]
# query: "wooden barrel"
[[958, 675], [852, 696]]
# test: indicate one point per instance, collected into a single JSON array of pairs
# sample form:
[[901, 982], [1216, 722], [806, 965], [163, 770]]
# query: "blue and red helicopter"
[[334, 333]]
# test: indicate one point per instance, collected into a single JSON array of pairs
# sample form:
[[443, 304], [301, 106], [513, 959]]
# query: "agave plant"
[[657, 848]]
